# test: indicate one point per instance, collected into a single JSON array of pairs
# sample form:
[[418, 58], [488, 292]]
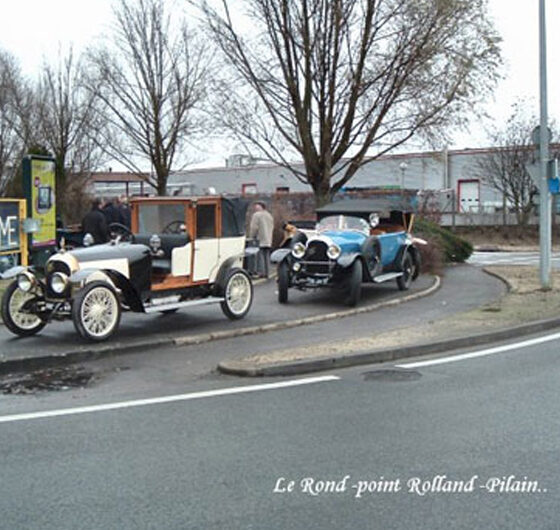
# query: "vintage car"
[[180, 252], [354, 241]]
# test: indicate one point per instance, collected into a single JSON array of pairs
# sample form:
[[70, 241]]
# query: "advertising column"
[[39, 177]]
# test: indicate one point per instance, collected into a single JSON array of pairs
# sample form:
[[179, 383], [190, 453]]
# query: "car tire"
[[22, 324], [354, 285], [96, 311], [283, 282], [238, 294], [408, 270]]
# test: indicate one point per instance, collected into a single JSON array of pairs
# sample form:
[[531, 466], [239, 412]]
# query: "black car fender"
[[113, 278], [415, 253], [280, 255], [219, 282], [347, 260], [12, 272]]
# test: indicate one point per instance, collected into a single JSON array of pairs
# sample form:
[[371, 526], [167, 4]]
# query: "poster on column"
[[43, 201]]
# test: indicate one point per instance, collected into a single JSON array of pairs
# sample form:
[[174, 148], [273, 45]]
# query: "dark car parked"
[[179, 253]]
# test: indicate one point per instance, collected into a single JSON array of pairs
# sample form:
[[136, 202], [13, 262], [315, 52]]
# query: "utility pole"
[[545, 231]]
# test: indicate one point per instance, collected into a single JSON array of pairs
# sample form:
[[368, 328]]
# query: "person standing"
[[111, 212], [124, 211], [261, 228], [95, 223]]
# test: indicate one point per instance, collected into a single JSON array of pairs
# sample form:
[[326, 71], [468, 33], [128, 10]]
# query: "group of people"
[[103, 213]]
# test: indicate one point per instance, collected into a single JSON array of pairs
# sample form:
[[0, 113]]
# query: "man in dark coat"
[[111, 212], [95, 223]]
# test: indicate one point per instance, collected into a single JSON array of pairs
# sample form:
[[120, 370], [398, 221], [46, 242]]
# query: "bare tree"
[[338, 83], [12, 141], [67, 124], [505, 167], [152, 80]]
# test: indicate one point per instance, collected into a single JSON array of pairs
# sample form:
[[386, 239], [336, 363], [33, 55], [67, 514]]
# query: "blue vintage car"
[[355, 241]]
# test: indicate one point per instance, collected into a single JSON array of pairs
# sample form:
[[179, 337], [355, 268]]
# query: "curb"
[[247, 369], [101, 352]]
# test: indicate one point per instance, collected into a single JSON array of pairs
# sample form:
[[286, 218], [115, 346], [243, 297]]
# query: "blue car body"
[[345, 249]]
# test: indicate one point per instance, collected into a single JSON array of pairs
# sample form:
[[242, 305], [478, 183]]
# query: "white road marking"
[[165, 399], [481, 353]]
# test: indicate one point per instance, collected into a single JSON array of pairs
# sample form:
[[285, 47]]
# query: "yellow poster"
[[43, 201]]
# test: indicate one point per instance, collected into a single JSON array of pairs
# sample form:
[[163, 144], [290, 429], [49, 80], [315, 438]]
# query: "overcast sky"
[[33, 29]]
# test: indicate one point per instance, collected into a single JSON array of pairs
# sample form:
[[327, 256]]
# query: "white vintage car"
[[179, 253]]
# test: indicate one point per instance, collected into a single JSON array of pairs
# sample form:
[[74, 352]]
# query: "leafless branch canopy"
[[335, 82], [151, 85]]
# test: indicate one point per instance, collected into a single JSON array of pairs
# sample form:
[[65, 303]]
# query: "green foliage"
[[454, 248]]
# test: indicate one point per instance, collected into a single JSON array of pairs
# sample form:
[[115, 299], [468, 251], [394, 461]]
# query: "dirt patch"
[[49, 379]]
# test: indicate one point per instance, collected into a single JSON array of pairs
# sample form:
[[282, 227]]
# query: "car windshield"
[[342, 222], [161, 218]]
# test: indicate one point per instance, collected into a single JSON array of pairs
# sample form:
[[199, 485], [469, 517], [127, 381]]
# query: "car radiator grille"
[[315, 260]]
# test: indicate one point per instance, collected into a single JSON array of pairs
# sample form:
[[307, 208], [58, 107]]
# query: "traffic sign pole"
[[545, 229]]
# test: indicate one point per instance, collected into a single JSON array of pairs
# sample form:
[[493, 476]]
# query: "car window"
[[161, 218], [342, 222], [206, 221]]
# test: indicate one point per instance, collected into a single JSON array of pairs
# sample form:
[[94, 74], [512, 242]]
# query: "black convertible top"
[[385, 207], [234, 211]]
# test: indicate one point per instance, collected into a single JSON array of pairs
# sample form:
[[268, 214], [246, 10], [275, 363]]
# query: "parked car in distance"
[[354, 241], [181, 252]]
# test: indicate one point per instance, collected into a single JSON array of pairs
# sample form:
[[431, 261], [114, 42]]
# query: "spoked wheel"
[[15, 303], [354, 285], [96, 311], [283, 282], [408, 271], [238, 294]]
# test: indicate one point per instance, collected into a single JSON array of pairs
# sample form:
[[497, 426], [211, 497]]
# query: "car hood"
[[98, 255], [347, 241]]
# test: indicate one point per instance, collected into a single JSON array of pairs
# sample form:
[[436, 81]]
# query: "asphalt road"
[[457, 294], [487, 424]]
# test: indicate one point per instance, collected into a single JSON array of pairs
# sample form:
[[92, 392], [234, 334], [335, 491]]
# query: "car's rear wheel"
[[408, 270], [237, 293], [283, 282], [17, 320], [96, 311], [354, 285]]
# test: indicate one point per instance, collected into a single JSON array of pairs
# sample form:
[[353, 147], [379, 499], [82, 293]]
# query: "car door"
[[206, 245]]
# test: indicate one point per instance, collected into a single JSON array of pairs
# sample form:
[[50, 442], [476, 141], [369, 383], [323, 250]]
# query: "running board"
[[155, 308], [388, 276]]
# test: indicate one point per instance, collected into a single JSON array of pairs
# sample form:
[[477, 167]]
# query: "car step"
[[154, 308], [387, 276]]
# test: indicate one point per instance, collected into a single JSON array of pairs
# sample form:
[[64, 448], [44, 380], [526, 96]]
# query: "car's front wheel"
[[237, 293], [14, 314], [96, 311], [283, 282], [408, 270], [354, 285]]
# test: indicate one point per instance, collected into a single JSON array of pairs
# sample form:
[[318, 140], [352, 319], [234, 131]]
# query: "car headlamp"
[[298, 251], [88, 240], [25, 282], [333, 252], [59, 281]]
